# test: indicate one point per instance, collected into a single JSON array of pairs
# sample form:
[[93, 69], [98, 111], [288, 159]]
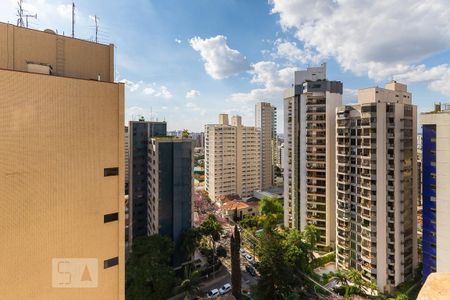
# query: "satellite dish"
[[50, 31]]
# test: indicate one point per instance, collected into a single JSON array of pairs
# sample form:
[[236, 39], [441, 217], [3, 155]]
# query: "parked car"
[[243, 251], [225, 289], [213, 293], [250, 270], [249, 258]]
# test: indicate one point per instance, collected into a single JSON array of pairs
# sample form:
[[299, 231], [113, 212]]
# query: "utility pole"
[[73, 19]]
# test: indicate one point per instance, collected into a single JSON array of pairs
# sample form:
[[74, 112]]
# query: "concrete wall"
[[57, 136], [67, 56]]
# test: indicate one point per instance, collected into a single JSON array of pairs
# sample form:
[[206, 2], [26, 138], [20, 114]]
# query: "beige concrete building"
[[232, 158], [266, 121], [309, 153], [377, 186], [61, 168], [436, 190]]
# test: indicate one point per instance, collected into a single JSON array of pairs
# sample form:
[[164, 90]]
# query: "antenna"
[[96, 28], [73, 19], [20, 14], [30, 16]]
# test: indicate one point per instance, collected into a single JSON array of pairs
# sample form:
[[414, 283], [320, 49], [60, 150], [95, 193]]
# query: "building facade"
[[232, 158], [309, 153], [170, 185], [436, 190], [377, 186], [266, 121], [127, 159], [62, 168], [140, 133]]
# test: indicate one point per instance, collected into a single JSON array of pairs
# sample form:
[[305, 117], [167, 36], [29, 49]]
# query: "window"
[[110, 217], [111, 262], [111, 172]]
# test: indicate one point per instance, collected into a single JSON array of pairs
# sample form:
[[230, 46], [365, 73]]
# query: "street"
[[203, 208]]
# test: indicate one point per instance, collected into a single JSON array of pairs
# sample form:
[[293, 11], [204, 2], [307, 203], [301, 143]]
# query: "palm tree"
[[190, 285]]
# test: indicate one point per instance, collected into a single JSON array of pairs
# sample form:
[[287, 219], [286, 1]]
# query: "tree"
[[249, 221], [221, 251], [352, 283], [271, 205], [271, 212], [149, 274], [190, 285], [235, 215], [276, 276], [185, 133], [191, 241], [211, 228], [235, 246]]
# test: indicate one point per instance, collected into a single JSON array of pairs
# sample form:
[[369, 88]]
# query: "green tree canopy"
[[148, 271]]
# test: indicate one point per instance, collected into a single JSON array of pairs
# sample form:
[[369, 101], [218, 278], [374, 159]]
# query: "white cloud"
[[438, 77], [378, 38], [350, 95], [131, 85], [220, 60], [178, 41], [195, 108], [133, 113], [152, 90], [157, 91], [192, 94], [292, 53], [269, 75]]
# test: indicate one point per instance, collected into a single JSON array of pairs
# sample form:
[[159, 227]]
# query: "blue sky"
[[188, 61]]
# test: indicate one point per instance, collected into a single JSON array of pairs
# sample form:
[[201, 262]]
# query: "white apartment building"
[[232, 158], [436, 190], [309, 152], [377, 186], [266, 121]]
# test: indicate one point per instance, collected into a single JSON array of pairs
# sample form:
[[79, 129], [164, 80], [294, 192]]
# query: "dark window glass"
[[111, 217], [110, 262], [111, 171]]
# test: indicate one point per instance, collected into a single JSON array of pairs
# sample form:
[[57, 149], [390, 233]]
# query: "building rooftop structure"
[[436, 287], [45, 52]]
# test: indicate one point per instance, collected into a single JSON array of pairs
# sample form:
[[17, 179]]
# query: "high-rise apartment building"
[[140, 133], [266, 121], [61, 168], [170, 183], [377, 185], [436, 190], [127, 159], [310, 156], [232, 158]]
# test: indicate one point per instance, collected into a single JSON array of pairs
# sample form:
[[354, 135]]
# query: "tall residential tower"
[[61, 168], [232, 158], [140, 133], [377, 186], [169, 188], [310, 156], [266, 121], [436, 190]]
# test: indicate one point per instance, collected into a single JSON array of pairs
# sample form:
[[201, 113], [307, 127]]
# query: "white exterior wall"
[[442, 122]]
